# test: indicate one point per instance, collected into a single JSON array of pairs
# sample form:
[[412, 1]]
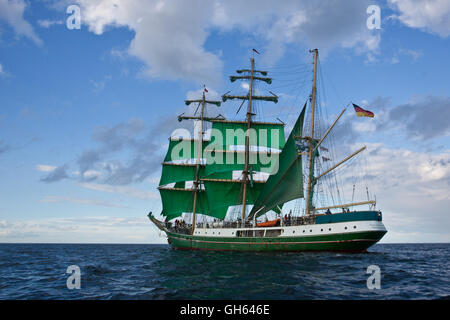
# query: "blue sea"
[[127, 271]]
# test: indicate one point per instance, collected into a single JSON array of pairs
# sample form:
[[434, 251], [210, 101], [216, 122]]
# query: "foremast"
[[198, 163]]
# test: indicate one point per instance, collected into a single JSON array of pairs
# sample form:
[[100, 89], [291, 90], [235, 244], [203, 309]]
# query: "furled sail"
[[287, 183]]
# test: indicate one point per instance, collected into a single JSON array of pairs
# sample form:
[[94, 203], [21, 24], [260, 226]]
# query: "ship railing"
[[298, 221], [292, 221], [186, 229]]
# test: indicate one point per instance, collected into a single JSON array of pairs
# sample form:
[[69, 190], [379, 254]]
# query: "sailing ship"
[[248, 167]]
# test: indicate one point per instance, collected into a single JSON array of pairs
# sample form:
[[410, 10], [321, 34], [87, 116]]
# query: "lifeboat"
[[271, 223]]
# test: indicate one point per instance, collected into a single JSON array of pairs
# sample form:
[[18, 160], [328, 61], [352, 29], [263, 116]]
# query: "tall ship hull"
[[221, 188], [344, 232]]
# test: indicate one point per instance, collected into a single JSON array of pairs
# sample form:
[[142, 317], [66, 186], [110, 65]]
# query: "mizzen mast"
[[314, 144]]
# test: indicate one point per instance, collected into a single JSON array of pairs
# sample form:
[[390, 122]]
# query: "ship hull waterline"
[[348, 236], [357, 242]]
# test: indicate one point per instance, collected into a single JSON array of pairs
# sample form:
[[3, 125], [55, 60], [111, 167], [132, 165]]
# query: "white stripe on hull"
[[302, 230]]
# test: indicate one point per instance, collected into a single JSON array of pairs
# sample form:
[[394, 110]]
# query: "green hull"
[[352, 242]]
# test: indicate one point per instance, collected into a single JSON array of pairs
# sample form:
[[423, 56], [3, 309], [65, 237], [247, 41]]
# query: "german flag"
[[360, 112]]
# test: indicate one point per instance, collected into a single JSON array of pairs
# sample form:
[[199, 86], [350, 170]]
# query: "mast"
[[309, 192], [199, 154], [247, 141], [249, 75], [198, 165], [314, 144]]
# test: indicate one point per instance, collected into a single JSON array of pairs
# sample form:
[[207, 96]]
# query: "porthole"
[[321, 229], [310, 230], [354, 227], [232, 233], [304, 231], [293, 231], [329, 229], [345, 228]]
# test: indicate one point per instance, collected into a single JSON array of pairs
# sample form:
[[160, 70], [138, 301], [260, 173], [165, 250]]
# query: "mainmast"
[[250, 97], [309, 192], [247, 140]]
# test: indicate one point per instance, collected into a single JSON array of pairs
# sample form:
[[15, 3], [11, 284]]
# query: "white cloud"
[[429, 15], [92, 202], [88, 174], [411, 189], [364, 127], [101, 84], [2, 71], [81, 229], [170, 36], [197, 94], [414, 54], [245, 85], [12, 11], [128, 191], [45, 168]]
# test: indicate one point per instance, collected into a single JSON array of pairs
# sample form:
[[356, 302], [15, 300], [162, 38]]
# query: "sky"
[[85, 113]]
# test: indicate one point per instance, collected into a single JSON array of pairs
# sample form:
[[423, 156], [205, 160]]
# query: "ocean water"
[[124, 271]]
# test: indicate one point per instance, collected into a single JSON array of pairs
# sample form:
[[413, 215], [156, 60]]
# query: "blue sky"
[[102, 101]]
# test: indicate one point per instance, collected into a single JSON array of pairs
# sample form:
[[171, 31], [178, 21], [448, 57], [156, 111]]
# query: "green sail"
[[179, 167], [179, 163], [176, 173], [287, 183], [181, 149], [217, 196], [221, 195], [175, 202], [221, 157]]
